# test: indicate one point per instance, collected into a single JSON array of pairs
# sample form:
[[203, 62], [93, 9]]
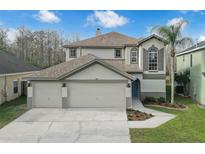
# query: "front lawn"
[[188, 126], [11, 110]]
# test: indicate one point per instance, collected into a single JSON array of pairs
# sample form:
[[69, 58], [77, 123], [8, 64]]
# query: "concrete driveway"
[[68, 125]]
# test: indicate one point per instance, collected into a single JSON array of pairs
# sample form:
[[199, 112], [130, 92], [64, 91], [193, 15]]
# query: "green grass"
[[187, 127], [11, 110]]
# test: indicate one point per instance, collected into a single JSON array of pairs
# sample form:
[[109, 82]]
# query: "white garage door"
[[47, 94], [96, 94]]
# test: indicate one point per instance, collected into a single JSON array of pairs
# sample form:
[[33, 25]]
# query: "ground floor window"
[[15, 87]]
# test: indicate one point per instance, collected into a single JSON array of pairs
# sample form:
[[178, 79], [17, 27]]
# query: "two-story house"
[[107, 70]]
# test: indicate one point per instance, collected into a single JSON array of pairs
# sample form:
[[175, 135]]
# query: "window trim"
[[120, 53], [70, 56], [157, 52], [15, 87], [136, 56]]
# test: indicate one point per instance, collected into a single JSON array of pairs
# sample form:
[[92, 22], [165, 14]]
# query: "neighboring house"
[[194, 60], [107, 70], [12, 70]]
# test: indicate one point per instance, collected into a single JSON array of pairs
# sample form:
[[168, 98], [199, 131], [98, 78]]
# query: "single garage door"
[[97, 94], [47, 94]]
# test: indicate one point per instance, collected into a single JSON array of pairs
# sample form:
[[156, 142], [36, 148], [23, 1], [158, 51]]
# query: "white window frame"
[[71, 50], [134, 50], [150, 50], [15, 85], [118, 49]]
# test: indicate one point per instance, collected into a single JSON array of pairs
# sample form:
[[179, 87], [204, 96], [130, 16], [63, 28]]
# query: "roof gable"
[[96, 71], [150, 37], [66, 69]]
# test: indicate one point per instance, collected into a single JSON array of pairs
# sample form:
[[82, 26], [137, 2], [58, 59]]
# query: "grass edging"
[[180, 109]]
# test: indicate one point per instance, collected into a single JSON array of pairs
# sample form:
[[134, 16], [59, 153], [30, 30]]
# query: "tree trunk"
[[172, 79]]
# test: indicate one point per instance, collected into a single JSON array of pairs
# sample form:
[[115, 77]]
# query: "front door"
[[134, 89]]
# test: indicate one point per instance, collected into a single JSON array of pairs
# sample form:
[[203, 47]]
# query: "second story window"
[[133, 56], [153, 58], [72, 53], [118, 53]]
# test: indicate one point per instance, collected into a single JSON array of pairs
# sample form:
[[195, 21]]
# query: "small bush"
[[150, 99], [161, 100], [179, 89]]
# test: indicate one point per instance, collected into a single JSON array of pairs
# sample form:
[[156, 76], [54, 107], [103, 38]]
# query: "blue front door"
[[134, 89]]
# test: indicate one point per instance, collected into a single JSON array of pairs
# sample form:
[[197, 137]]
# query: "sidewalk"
[[158, 119]]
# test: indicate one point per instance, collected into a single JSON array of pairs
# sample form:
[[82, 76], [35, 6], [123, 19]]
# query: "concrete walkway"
[[158, 119], [68, 125]]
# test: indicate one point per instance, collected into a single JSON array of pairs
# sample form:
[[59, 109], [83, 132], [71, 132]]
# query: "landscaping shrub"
[[150, 99], [161, 100], [179, 89]]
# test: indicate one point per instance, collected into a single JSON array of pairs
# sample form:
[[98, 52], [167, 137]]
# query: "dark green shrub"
[[161, 100], [150, 99]]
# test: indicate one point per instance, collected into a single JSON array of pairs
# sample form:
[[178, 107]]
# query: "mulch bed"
[[167, 105], [136, 115]]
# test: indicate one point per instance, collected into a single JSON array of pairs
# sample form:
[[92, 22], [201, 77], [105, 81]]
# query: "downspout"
[[5, 88]]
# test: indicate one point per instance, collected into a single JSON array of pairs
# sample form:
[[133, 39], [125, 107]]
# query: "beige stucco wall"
[[99, 52], [9, 85], [96, 72], [103, 53]]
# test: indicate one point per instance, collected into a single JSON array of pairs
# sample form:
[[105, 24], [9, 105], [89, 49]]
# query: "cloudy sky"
[[133, 23]]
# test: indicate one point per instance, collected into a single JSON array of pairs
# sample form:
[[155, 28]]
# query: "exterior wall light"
[[128, 85], [64, 85]]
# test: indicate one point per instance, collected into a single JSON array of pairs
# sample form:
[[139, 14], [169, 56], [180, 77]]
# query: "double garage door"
[[93, 94]]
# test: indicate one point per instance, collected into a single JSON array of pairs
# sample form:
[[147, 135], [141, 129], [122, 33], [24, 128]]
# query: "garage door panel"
[[96, 95], [47, 95]]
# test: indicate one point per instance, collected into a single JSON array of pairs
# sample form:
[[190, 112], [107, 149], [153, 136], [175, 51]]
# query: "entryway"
[[136, 89]]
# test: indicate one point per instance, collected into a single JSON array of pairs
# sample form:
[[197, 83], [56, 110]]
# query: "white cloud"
[[201, 38], [47, 16], [176, 21], [107, 19], [12, 34]]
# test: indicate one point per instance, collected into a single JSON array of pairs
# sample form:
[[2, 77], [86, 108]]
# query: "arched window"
[[153, 58], [134, 56]]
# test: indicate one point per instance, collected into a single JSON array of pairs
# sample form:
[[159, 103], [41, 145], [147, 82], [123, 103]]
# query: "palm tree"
[[173, 35]]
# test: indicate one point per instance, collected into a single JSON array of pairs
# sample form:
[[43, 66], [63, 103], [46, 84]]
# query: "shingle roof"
[[130, 68], [112, 39], [62, 70], [10, 64], [198, 45]]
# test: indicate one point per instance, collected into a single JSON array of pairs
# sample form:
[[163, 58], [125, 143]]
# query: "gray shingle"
[[10, 64], [61, 70], [112, 39]]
